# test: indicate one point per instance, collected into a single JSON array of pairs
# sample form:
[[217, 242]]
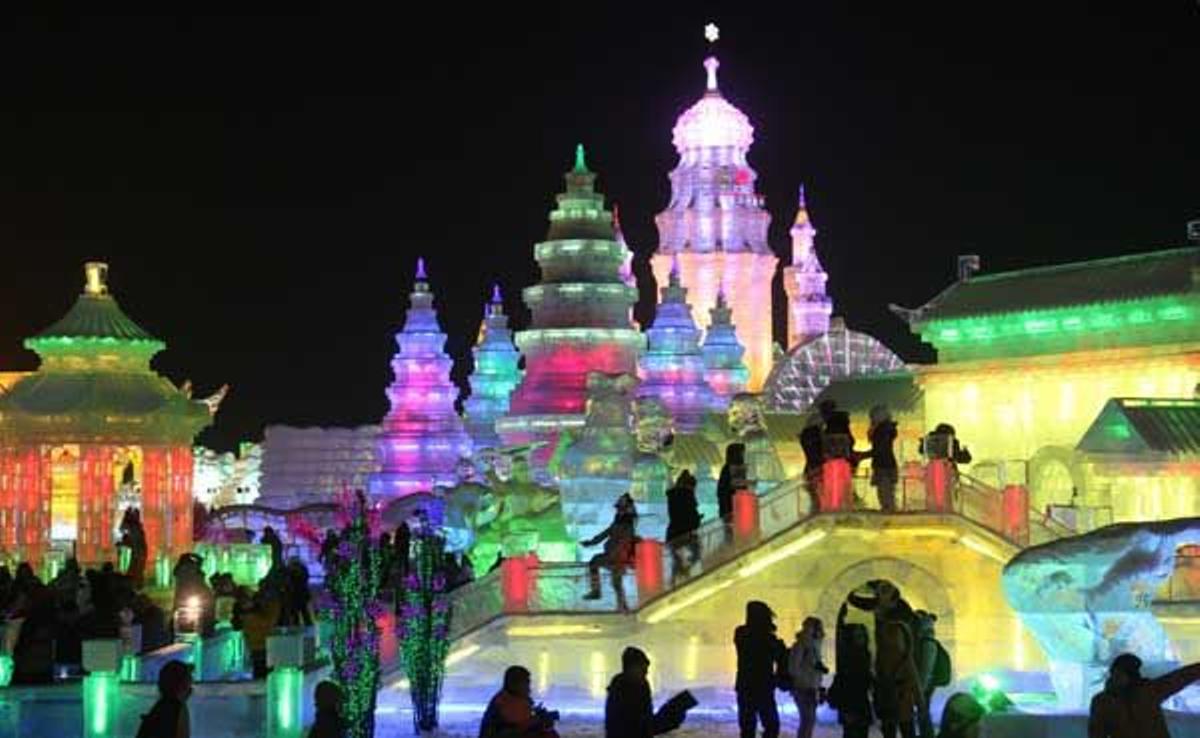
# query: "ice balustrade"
[[559, 588]]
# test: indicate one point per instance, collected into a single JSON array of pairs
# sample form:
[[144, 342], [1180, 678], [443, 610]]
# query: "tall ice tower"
[[715, 224], [581, 315], [809, 307]]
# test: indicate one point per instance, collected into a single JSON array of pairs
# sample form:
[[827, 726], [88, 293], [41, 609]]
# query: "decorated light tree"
[[426, 627], [352, 579]]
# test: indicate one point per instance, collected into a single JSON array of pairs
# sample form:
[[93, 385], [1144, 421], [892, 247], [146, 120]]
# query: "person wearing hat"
[[761, 666], [629, 707], [169, 717], [885, 473], [619, 540], [1131, 705], [683, 518], [961, 717]]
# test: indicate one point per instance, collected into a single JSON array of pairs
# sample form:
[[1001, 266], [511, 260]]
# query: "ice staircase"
[[786, 526]]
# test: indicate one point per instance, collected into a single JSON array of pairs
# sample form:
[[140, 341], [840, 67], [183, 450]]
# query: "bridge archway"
[[921, 588]]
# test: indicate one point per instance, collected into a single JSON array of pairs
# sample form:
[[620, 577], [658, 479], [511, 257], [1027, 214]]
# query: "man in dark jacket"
[[1131, 704], [683, 518], [761, 659], [629, 709]]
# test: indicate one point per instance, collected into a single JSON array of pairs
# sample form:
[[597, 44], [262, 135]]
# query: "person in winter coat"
[[329, 722], [897, 686], [885, 473], [619, 540], [761, 660], [961, 717], [850, 693], [926, 661], [731, 479], [629, 707], [511, 712], [683, 518], [806, 670], [814, 460], [169, 717], [1131, 705]]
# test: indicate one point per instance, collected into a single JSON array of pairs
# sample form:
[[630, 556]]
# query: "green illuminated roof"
[[1117, 279], [1130, 426], [95, 316]]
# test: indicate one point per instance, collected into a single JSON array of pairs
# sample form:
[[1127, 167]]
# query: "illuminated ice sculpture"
[[91, 415], [422, 438], [1087, 599], [672, 369], [495, 377], [581, 315], [725, 370], [716, 226], [809, 307]]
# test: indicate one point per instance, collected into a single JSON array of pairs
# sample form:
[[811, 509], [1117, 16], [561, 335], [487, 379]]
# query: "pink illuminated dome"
[[712, 121]]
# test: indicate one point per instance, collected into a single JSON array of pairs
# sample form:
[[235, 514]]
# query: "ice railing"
[[559, 588]]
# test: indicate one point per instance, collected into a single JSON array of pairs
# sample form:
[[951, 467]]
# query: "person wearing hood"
[[683, 518], [1131, 705], [761, 662], [806, 671], [732, 478], [812, 445], [329, 723], [629, 708], [961, 717], [897, 686], [850, 693], [885, 473], [619, 540]]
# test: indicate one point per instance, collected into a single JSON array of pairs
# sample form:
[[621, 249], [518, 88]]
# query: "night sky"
[[261, 187]]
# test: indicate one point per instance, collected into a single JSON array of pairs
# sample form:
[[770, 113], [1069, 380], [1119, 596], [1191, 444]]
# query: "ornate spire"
[[809, 306], [580, 160]]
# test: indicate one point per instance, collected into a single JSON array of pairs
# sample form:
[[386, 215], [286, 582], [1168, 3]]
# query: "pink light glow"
[[712, 121]]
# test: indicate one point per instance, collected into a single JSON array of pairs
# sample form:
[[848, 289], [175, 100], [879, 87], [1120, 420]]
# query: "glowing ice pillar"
[[285, 686], [101, 687]]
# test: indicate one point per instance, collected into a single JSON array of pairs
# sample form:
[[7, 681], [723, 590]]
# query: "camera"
[[546, 716]]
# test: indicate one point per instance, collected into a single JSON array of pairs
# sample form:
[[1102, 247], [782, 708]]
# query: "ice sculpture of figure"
[[521, 516], [651, 474], [1087, 599], [748, 425], [595, 462]]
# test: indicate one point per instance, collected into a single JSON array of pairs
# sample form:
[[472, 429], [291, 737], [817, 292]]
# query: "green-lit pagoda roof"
[[1115, 279], [1145, 428], [95, 315], [1123, 302], [95, 383]]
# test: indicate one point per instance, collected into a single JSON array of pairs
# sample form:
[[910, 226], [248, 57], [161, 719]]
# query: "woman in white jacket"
[[806, 670]]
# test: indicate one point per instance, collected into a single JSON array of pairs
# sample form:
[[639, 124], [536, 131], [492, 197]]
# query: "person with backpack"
[[933, 668], [897, 686], [806, 670]]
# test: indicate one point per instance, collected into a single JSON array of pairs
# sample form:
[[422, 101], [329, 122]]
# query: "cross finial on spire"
[[580, 162], [712, 32]]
